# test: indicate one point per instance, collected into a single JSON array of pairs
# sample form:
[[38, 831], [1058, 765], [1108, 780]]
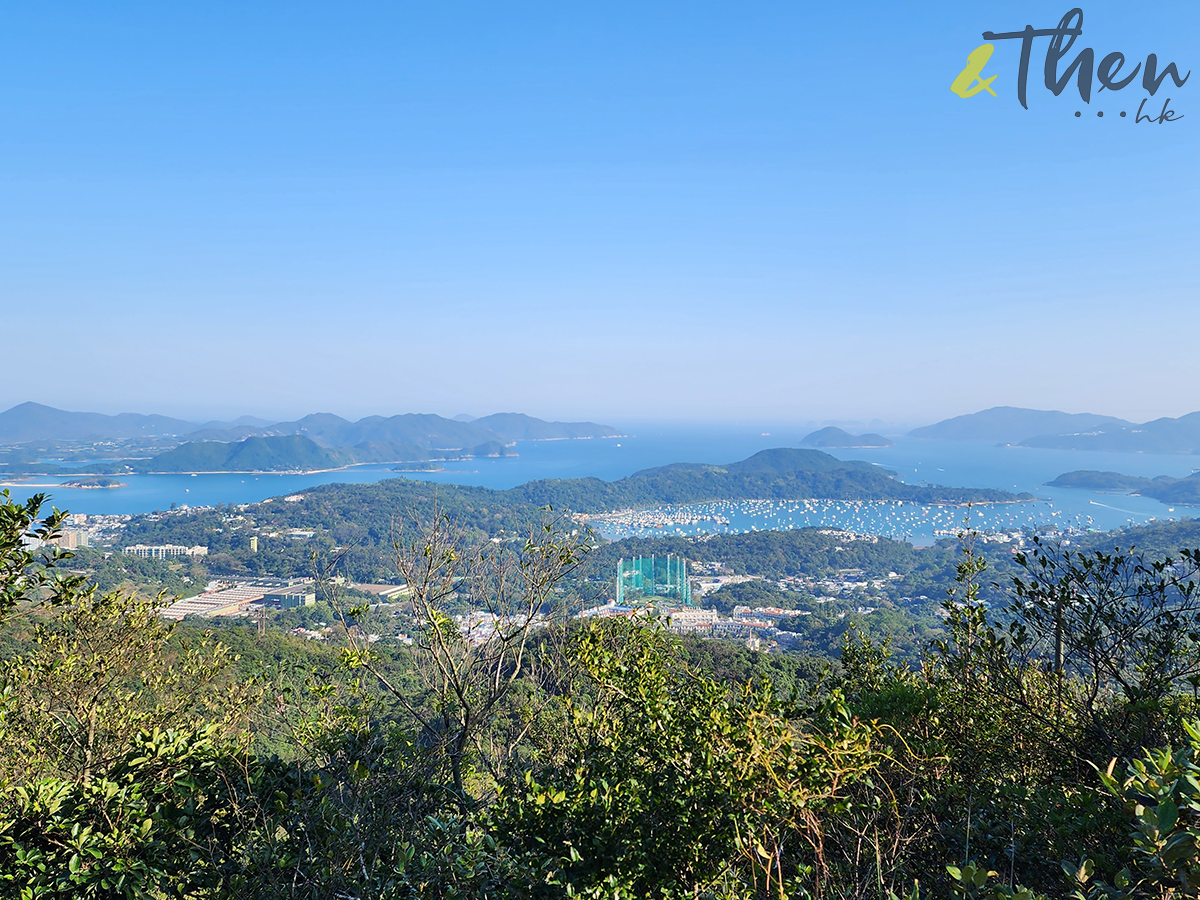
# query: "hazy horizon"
[[890, 427]]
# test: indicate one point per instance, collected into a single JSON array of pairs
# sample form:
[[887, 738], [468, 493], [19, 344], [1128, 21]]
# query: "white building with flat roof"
[[164, 551]]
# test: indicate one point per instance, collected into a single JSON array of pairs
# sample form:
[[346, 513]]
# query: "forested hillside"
[[1184, 491], [547, 757], [785, 473]]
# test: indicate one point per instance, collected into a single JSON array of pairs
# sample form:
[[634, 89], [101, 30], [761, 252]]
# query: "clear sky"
[[615, 211]]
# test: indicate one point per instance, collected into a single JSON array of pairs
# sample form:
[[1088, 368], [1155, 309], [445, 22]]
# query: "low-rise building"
[[690, 620], [289, 598], [165, 551]]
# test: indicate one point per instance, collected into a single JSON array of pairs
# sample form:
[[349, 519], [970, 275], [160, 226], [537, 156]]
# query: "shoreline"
[[398, 462]]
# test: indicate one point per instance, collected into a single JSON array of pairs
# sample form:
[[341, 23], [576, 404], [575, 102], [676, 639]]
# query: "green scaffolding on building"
[[650, 578]]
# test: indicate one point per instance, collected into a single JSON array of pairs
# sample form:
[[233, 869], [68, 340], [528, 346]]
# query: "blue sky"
[[712, 212]]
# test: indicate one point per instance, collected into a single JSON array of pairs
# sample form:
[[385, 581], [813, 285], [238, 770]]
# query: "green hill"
[[783, 474], [295, 453], [1184, 491], [255, 454]]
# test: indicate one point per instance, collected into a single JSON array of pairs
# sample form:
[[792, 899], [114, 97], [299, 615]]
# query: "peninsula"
[[1164, 488]]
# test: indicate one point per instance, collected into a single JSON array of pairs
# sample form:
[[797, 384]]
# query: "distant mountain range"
[[35, 422], [1066, 431], [1184, 491], [1165, 435], [835, 438]]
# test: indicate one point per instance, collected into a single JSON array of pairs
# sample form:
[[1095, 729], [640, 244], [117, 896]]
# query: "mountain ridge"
[[1164, 435], [31, 421], [288, 453], [1010, 425], [1055, 430]]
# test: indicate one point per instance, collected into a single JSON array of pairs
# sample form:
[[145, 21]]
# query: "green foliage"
[[734, 665], [123, 571], [753, 594], [973, 883], [137, 832], [810, 552], [669, 784], [1160, 793], [102, 670], [1126, 628], [27, 563]]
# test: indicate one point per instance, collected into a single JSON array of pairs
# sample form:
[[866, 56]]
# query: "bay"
[[950, 463]]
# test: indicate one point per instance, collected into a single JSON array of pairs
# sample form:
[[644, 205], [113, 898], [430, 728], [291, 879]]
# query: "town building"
[[164, 551], [289, 598]]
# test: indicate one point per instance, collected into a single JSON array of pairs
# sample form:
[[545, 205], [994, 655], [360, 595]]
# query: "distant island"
[[87, 484], [293, 453], [36, 422], [1050, 429], [836, 438], [1164, 488], [1011, 425], [1165, 435], [135, 444]]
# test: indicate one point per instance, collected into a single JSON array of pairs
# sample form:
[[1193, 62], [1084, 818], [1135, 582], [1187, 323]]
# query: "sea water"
[[949, 463]]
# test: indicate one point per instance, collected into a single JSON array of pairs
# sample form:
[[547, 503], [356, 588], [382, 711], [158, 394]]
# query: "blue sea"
[[955, 464]]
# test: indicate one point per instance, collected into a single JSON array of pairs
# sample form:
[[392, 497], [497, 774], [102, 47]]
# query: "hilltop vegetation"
[[1183, 491], [256, 454], [784, 474]]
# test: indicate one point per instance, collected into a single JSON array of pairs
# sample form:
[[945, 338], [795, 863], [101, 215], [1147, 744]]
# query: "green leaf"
[[1168, 815]]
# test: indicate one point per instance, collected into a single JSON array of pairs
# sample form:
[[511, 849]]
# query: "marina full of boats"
[[921, 524]]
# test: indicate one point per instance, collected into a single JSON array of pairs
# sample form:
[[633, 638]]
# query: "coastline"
[[73, 485], [397, 462]]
